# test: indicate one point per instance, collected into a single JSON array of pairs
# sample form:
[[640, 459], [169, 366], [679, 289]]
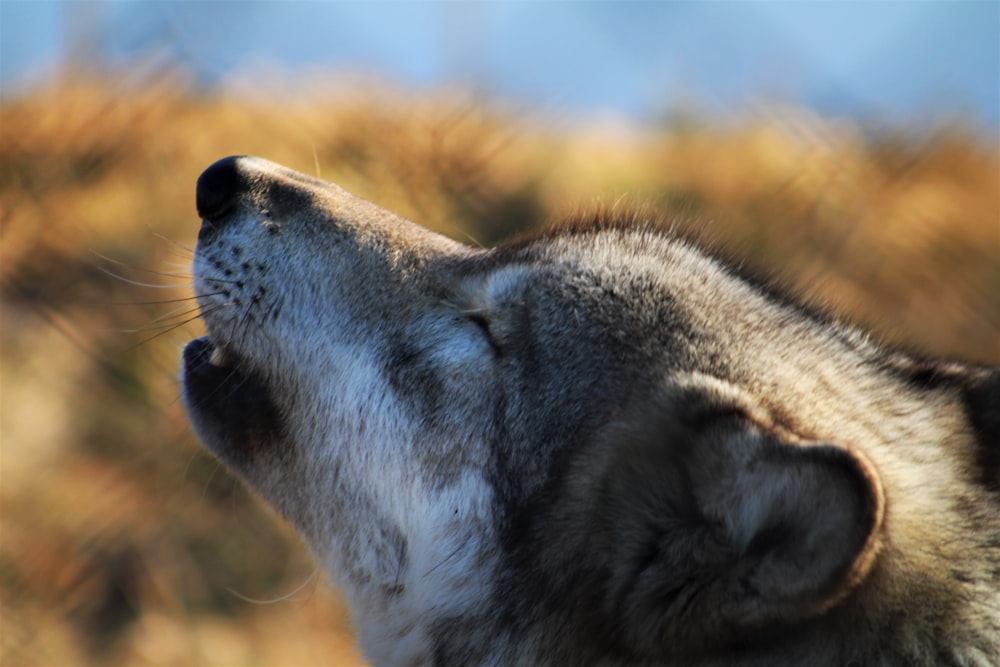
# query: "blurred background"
[[851, 148]]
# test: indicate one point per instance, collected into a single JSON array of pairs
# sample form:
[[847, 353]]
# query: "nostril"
[[219, 188]]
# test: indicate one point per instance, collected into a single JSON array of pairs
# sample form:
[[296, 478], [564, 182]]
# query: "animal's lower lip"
[[204, 361], [209, 367], [230, 406], [220, 358], [230, 390]]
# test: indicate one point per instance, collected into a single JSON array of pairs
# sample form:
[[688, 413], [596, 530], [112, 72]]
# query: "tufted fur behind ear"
[[718, 527]]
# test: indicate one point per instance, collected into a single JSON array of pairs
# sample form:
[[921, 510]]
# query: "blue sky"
[[903, 60]]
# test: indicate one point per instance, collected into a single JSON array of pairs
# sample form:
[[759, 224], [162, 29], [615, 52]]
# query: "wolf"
[[598, 445]]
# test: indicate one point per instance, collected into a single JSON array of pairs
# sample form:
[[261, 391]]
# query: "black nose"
[[219, 188]]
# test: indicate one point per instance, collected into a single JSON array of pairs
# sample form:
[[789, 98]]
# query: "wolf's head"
[[598, 444]]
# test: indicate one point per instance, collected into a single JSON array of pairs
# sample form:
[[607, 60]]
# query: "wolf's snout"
[[219, 188]]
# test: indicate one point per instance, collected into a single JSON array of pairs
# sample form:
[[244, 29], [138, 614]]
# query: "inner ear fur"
[[719, 526]]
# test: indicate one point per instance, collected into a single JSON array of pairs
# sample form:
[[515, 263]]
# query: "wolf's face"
[[597, 445]]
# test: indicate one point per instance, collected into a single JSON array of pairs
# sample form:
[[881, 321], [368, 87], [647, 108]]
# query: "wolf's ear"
[[718, 527]]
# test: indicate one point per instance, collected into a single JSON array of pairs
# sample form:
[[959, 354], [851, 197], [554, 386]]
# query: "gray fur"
[[595, 446]]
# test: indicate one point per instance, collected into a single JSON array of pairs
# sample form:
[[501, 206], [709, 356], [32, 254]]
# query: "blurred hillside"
[[123, 543]]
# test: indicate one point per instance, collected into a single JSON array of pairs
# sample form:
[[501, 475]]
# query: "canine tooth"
[[219, 358]]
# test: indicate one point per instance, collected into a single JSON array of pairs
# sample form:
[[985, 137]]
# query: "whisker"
[[211, 476], [162, 320], [451, 555], [132, 267], [165, 331], [178, 311], [474, 240], [167, 328], [244, 321], [175, 243], [159, 302], [138, 283], [316, 161], [281, 598], [182, 267]]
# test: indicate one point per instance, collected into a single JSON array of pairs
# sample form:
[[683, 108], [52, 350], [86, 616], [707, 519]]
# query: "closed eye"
[[484, 325]]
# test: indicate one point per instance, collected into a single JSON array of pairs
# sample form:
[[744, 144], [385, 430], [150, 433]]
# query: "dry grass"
[[123, 543]]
